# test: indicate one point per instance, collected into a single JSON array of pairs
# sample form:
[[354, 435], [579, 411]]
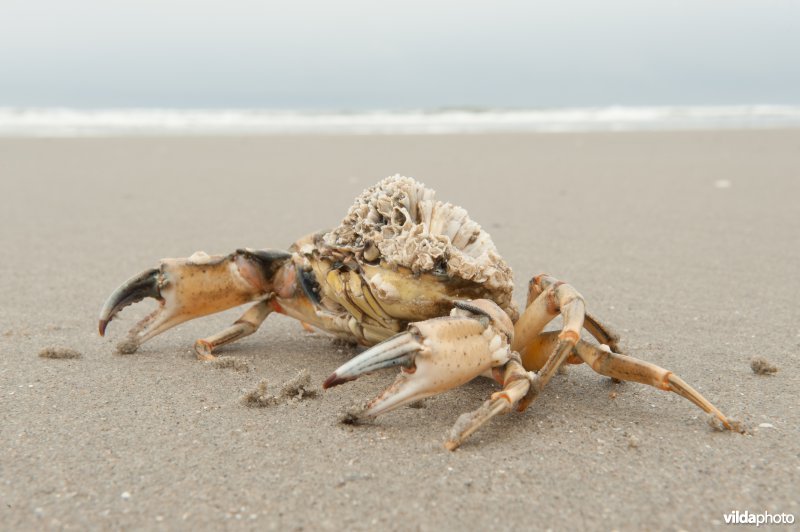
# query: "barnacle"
[[400, 218]]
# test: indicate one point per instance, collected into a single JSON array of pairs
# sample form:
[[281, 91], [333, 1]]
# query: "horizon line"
[[68, 122]]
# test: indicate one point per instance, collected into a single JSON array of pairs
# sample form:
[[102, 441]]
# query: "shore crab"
[[418, 281]]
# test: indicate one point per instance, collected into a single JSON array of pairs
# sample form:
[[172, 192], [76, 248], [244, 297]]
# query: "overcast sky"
[[362, 54]]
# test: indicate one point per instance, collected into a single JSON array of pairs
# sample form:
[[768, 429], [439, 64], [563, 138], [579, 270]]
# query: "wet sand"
[[688, 244]]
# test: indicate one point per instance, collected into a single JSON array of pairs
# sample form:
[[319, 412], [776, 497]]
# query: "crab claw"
[[399, 350], [146, 284], [435, 355], [194, 287]]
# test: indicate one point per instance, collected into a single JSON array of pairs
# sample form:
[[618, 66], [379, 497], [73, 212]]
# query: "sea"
[[66, 122]]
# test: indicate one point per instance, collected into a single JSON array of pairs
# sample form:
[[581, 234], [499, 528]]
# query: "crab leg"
[[520, 387], [546, 299], [603, 334], [553, 297], [198, 286], [516, 383], [543, 305], [627, 368], [244, 326]]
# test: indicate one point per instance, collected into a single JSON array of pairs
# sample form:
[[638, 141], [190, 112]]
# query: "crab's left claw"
[[435, 355]]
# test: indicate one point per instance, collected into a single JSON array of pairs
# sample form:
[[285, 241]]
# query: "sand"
[[688, 244]]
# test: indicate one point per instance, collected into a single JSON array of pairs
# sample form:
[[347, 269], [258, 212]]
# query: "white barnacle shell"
[[400, 218], [199, 258]]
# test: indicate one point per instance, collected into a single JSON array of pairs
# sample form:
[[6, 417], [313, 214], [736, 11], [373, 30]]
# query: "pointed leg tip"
[[204, 350], [721, 424], [451, 445], [101, 327], [738, 426]]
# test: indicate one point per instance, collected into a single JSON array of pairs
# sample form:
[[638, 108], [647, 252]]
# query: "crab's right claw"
[[194, 287], [400, 350], [435, 355]]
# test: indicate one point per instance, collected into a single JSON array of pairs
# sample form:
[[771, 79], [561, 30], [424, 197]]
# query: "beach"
[[686, 243]]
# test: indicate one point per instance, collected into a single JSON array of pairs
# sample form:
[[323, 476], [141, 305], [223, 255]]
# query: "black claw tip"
[[335, 380], [146, 284]]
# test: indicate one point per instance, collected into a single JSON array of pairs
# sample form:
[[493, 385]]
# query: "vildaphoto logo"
[[764, 518]]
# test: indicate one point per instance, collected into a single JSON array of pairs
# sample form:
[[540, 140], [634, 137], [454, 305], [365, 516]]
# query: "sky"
[[368, 54]]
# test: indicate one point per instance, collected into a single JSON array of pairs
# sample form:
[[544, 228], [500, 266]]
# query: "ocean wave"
[[62, 122]]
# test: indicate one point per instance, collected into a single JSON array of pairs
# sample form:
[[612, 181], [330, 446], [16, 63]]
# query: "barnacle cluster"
[[399, 222]]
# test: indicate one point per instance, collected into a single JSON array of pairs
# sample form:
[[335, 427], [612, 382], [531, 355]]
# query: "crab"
[[420, 284]]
